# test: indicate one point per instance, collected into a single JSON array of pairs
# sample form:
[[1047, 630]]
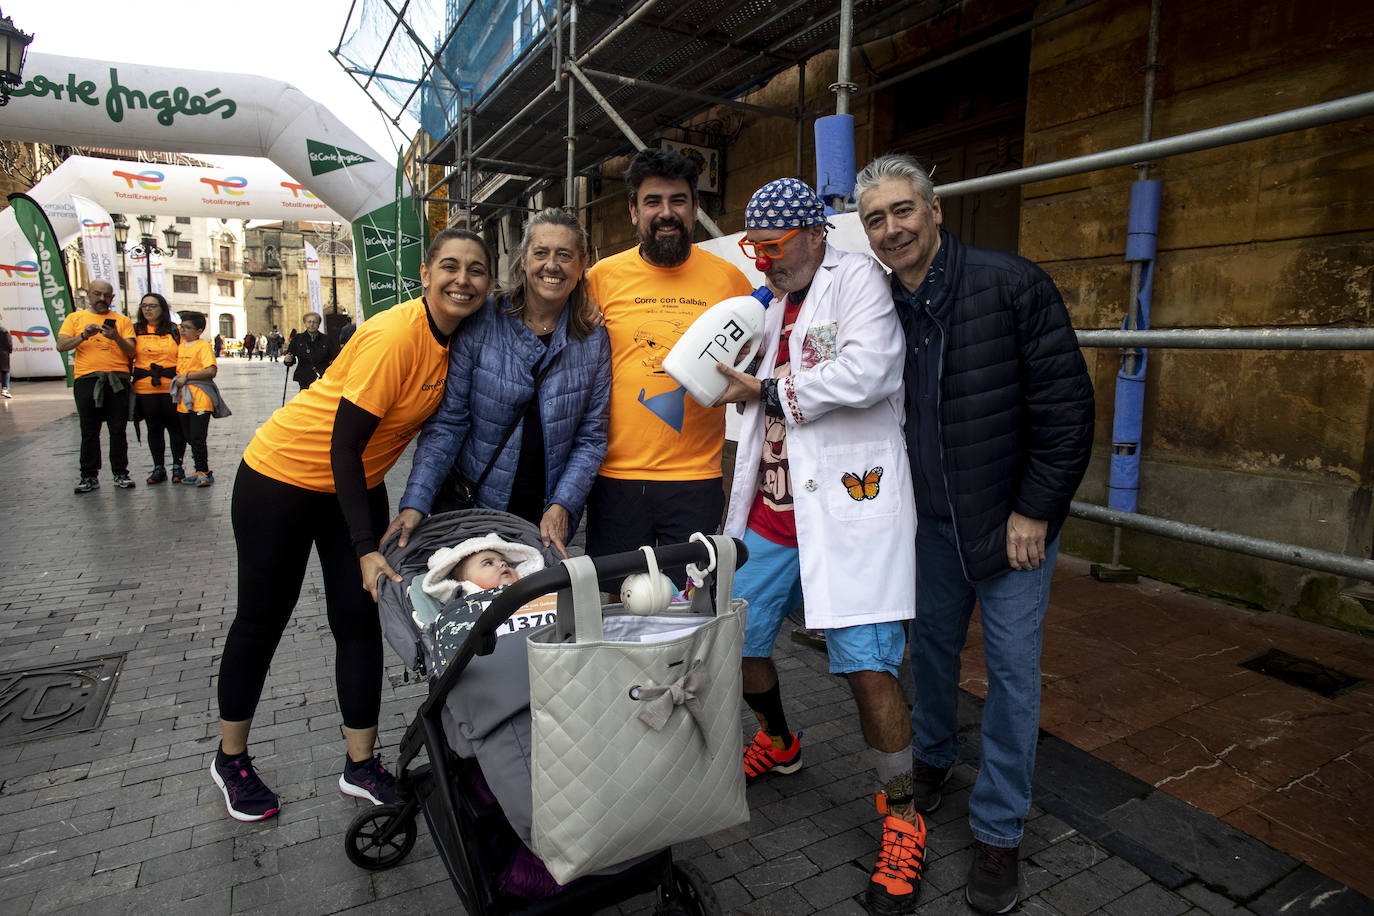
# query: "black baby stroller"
[[471, 831]]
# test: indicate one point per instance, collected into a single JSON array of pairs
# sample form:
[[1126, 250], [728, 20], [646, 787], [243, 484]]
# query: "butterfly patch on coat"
[[866, 488]]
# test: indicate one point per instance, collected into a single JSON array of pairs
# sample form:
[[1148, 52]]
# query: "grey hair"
[[895, 165]]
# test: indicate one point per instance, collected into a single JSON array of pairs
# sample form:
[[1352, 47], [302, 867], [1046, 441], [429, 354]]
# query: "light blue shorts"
[[771, 583]]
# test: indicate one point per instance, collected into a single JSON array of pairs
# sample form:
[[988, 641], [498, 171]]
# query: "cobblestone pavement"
[[124, 819]]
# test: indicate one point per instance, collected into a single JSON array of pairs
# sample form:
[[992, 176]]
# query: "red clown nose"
[[763, 262]]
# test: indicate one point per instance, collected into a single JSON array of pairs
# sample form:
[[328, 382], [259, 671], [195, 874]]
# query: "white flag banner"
[[159, 276], [312, 278], [98, 245], [138, 277]]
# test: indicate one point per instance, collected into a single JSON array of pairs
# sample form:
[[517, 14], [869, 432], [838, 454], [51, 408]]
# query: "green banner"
[[375, 248], [52, 274], [388, 247]]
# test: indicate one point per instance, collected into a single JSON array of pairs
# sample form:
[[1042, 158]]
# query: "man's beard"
[[665, 252]]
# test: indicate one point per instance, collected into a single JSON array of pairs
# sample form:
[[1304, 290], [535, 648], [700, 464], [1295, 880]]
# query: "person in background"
[[274, 344], [310, 352], [6, 348], [219, 345], [346, 332], [250, 344], [195, 394], [156, 346], [104, 345], [320, 462]]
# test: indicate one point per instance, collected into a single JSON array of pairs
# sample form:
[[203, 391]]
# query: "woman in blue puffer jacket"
[[543, 323]]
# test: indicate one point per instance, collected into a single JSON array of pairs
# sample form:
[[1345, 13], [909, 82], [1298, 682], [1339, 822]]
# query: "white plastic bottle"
[[719, 335]]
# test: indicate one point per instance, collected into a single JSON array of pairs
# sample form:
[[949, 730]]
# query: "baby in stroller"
[[461, 581]]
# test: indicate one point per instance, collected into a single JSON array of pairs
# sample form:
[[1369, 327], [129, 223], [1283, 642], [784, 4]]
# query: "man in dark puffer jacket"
[[999, 427]]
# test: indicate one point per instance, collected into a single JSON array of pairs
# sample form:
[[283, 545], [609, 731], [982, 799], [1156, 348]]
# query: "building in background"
[[278, 290]]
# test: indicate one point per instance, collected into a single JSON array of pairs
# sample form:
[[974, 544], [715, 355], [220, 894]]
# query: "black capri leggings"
[[274, 525]]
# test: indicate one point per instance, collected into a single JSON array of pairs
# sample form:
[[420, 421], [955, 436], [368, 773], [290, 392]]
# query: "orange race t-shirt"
[[99, 353], [153, 348], [193, 355], [392, 367], [657, 432]]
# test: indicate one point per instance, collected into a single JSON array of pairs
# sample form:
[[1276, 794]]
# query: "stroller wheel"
[[689, 894], [378, 838]]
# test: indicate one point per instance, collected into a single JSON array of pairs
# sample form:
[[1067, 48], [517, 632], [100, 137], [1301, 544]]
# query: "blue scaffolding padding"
[[835, 156], [1123, 487]]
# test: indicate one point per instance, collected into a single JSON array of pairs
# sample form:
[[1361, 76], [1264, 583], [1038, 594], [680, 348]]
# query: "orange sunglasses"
[[773, 249]]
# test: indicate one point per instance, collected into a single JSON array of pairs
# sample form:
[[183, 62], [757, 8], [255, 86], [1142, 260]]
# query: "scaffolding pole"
[[629, 132], [1234, 338], [1309, 558], [1343, 109]]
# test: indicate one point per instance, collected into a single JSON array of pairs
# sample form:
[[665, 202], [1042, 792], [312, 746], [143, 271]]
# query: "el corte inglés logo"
[[327, 158]]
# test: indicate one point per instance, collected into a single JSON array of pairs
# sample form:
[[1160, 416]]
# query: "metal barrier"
[[1232, 339]]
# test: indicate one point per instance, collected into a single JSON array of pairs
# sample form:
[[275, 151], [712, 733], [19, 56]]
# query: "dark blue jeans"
[[1013, 616]]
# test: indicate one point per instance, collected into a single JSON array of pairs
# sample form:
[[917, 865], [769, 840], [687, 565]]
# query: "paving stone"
[[1120, 873], [1208, 900], [1079, 894], [1220, 855], [1148, 900], [833, 886], [1308, 891]]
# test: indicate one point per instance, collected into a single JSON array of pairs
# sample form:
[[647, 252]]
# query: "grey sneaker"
[[86, 485], [993, 878], [124, 481]]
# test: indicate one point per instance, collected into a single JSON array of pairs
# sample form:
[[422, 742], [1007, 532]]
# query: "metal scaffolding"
[[533, 112]]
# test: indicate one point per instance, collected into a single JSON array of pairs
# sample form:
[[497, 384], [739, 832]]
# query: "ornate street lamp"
[[121, 234], [14, 46], [146, 225]]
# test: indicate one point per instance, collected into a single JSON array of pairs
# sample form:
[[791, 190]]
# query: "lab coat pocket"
[[853, 484]]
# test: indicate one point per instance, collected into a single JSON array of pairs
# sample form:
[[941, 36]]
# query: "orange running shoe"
[[896, 881], [761, 756]]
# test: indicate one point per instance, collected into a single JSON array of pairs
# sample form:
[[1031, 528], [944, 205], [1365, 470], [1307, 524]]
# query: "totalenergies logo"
[[232, 186], [35, 334], [23, 269], [91, 226], [150, 180], [298, 190], [311, 262]]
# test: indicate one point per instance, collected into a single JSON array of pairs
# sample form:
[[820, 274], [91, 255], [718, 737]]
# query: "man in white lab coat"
[[822, 498]]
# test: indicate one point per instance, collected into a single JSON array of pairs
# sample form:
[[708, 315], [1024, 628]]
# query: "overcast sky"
[[288, 40]]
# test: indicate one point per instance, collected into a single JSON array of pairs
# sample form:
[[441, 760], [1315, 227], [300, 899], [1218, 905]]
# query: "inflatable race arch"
[[316, 169]]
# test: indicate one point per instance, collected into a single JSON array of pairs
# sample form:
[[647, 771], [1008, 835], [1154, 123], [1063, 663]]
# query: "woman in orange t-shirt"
[[320, 463], [156, 341]]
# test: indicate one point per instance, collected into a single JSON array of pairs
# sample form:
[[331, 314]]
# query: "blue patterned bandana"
[[784, 204]]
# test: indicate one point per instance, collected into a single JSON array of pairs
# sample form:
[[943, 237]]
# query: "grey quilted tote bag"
[[635, 724]]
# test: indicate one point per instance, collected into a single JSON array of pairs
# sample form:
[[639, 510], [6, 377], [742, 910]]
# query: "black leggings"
[[274, 525], [195, 429], [160, 414]]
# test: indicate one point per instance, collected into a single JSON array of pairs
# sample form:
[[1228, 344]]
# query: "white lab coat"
[[845, 413]]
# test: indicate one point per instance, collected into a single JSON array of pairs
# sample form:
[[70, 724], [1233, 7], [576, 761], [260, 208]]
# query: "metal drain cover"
[[56, 699], [1304, 673]]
